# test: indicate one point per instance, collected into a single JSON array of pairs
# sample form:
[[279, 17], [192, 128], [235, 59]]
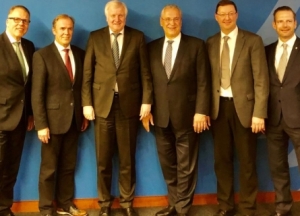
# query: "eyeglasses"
[[19, 20], [230, 14], [175, 20]]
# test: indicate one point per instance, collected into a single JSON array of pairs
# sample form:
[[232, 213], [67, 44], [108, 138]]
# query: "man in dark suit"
[[56, 103], [116, 82], [181, 83], [284, 106], [15, 108], [240, 87]]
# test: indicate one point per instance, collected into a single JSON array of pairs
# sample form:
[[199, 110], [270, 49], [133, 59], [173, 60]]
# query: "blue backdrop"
[[198, 20]]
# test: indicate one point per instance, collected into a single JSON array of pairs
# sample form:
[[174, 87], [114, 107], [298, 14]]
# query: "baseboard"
[[148, 201]]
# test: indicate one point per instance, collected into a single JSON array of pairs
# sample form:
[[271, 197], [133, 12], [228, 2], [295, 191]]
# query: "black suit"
[[176, 100], [283, 122], [116, 123], [56, 103], [14, 110]]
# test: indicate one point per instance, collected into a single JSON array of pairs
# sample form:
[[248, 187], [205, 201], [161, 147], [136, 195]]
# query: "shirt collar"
[[232, 34], [176, 39], [290, 42], [11, 38], [122, 31], [60, 47]]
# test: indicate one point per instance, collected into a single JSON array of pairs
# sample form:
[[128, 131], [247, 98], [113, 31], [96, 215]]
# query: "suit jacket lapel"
[[215, 48], [13, 58], [126, 41], [240, 41], [271, 59], [294, 53], [179, 56], [107, 42]]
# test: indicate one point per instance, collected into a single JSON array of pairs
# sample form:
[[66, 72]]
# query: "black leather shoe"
[[130, 212], [104, 211], [169, 211], [224, 213]]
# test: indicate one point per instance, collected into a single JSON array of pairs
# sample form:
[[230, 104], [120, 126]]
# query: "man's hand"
[[30, 123], [201, 123], [84, 125], [44, 135], [88, 112], [146, 120], [258, 125], [145, 110]]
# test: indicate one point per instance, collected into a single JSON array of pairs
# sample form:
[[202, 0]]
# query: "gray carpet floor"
[[203, 210]]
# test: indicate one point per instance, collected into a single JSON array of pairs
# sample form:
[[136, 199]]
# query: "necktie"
[[68, 64], [168, 59], [20, 57], [225, 64], [115, 50], [282, 63]]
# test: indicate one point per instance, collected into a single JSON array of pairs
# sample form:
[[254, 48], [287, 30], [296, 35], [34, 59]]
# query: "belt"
[[226, 98]]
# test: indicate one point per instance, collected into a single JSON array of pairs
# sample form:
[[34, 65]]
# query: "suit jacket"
[[100, 74], [187, 91], [249, 76], [55, 99], [14, 91], [284, 97]]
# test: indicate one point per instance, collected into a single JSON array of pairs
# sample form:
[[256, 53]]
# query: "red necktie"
[[68, 64]]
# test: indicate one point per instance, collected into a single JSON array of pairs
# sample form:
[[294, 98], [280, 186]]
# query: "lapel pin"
[[296, 47]]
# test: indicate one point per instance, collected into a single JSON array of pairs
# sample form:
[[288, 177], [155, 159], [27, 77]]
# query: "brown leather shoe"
[[71, 211], [279, 214], [169, 211]]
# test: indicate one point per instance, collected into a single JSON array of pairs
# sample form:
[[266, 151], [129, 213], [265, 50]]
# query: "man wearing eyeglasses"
[[15, 106], [180, 70], [240, 88]]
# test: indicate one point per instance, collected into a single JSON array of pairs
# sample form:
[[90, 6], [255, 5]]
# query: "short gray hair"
[[116, 3]]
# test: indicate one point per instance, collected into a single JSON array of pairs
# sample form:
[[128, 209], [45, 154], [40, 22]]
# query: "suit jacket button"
[[71, 104], [279, 101], [22, 101]]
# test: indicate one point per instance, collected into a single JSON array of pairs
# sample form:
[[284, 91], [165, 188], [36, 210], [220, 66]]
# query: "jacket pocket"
[[96, 86]]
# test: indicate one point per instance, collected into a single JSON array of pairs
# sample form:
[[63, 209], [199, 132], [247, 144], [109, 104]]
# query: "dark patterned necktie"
[[115, 49], [68, 64]]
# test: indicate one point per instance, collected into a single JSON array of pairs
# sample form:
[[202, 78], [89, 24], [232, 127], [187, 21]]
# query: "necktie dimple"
[[168, 58], [282, 63], [115, 49], [225, 64], [68, 64], [20, 57]]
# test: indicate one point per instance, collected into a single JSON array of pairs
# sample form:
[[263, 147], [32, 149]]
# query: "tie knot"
[[226, 38], [116, 34], [284, 45], [170, 42], [16, 44], [66, 50]]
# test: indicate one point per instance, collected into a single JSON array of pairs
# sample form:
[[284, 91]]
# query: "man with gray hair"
[[180, 70], [116, 89]]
